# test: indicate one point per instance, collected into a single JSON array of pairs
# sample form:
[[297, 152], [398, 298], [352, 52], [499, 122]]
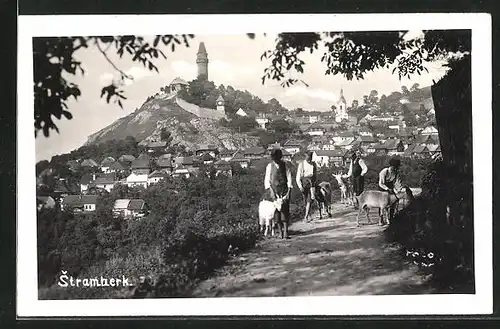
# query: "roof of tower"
[[220, 98], [342, 99], [202, 48]]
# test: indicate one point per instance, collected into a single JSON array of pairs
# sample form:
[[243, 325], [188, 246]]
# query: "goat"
[[376, 199], [324, 197], [267, 209], [346, 195]]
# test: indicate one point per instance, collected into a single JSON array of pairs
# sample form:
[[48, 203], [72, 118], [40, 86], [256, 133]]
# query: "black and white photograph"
[[254, 165]]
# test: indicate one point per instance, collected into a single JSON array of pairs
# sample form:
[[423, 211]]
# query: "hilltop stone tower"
[[202, 62], [341, 113]]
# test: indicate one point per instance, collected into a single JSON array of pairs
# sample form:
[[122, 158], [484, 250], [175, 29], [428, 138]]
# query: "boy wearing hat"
[[389, 179], [306, 181], [278, 183]]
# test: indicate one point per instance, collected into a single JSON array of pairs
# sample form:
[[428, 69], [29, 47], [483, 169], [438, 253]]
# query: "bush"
[[423, 227]]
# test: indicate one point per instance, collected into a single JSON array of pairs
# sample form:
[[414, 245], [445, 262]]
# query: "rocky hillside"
[[186, 128]]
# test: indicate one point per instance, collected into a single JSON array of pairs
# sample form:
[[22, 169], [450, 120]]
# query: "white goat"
[[376, 199], [267, 209], [346, 196]]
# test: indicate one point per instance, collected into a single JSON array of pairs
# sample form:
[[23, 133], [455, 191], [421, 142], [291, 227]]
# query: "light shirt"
[[364, 168], [305, 169], [387, 175], [267, 178]]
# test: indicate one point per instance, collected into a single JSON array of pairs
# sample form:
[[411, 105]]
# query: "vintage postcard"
[[214, 165]]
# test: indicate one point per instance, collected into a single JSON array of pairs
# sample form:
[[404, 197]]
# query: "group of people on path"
[[278, 181]]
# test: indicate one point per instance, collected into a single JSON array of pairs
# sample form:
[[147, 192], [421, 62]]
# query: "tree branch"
[[103, 52]]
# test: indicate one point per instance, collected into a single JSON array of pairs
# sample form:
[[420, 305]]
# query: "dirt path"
[[326, 257]]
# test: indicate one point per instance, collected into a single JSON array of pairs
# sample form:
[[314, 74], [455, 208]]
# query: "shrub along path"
[[326, 257]]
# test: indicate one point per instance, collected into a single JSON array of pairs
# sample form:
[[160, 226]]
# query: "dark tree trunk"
[[452, 97], [453, 105]]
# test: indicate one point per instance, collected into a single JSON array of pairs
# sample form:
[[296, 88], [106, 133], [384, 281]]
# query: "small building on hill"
[[292, 146], [130, 208], [106, 163], [239, 159], [104, 181], [141, 165], [253, 152], [89, 163], [327, 158], [157, 176], [177, 85], [186, 162], [80, 203], [126, 158], [207, 149], [165, 163], [135, 179], [156, 147], [429, 130]]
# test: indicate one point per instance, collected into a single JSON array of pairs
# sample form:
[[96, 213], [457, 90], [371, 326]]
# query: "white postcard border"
[[28, 304]]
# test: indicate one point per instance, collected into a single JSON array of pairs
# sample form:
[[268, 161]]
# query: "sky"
[[233, 60]]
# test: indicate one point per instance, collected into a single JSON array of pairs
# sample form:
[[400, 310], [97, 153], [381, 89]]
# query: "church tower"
[[220, 104], [341, 108], [202, 62]]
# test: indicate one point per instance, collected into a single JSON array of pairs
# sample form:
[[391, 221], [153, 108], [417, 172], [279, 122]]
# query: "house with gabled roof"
[[116, 167], [347, 144], [156, 147], [85, 181], [106, 163], [427, 139], [65, 187], [185, 171], [104, 181], [80, 203], [253, 152], [89, 163], [429, 130], [292, 146], [206, 158], [126, 158], [157, 176], [130, 208], [421, 151], [141, 165], [165, 163], [366, 141], [315, 129], [226, 155], [393, 147], [239, 159], [137, 179], [207, 149], [326, 158], [187, 162], [342, 136]]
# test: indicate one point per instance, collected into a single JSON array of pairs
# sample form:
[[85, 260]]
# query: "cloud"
[[137, 73], [305, 92], [184, 69]]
